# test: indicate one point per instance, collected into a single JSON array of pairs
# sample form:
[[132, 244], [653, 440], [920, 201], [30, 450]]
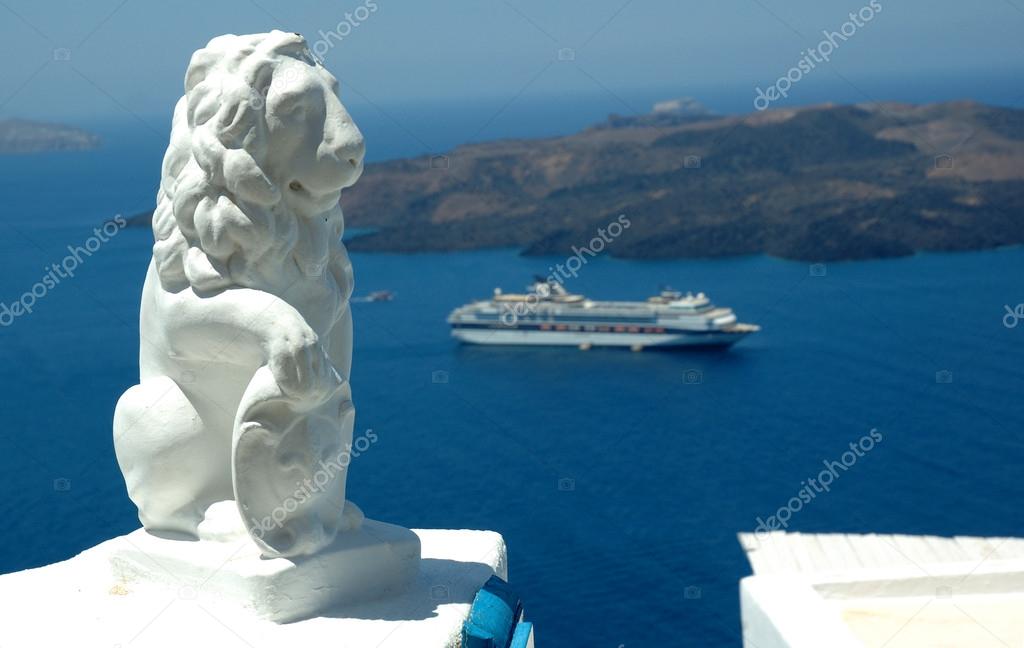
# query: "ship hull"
[[518, 337]]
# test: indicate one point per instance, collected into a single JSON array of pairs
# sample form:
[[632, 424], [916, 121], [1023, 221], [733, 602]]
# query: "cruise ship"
[[548, 315]]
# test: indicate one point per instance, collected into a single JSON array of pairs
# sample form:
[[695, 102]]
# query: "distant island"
[[24, 136], [821, 183]]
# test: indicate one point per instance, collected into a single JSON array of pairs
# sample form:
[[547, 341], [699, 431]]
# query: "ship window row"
[[592, 328], [531, 317], [589, 328]]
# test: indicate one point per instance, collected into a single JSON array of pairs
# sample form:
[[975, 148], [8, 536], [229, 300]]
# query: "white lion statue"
[[246, 336]]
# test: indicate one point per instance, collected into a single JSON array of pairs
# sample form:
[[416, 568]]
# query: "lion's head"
[[260, 150]]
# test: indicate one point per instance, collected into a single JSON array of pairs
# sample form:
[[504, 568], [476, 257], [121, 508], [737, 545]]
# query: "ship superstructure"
[[548, 315]]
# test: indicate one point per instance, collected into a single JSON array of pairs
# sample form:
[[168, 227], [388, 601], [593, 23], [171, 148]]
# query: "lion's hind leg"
[[174, 467]]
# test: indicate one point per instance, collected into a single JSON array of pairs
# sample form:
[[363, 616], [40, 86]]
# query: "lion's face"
[[314, 150]]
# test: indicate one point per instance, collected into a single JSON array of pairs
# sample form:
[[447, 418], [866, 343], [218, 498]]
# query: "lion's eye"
[[295, 185]]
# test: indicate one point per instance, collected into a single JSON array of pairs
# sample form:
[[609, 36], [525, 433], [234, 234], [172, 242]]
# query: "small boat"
[[548, 315], [376, 296]]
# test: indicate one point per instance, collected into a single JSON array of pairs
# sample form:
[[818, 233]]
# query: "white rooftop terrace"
[[875, 590]]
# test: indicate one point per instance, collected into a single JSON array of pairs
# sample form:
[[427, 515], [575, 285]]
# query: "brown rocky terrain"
[[819, 183]]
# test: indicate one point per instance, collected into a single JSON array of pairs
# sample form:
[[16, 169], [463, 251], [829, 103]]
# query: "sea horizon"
[[410, 127]]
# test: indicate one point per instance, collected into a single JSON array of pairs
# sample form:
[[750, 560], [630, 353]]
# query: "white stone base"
[[91, 600], [372, 562]]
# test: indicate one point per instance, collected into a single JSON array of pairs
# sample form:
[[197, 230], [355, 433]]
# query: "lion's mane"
[[220, 220]]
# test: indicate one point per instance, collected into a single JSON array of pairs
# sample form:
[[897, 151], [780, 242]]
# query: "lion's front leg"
[[247, 327]]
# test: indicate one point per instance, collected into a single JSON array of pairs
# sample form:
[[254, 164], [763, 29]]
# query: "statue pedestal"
[[95, 599], [365, 564]]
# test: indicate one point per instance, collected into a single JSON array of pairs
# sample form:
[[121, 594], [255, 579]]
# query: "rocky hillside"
[[820, 183]]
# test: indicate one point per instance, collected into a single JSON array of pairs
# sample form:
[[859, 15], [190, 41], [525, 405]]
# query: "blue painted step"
[[521, 638], [493, 617]]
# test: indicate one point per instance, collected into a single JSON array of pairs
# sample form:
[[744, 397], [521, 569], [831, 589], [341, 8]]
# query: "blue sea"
[[618, 479]]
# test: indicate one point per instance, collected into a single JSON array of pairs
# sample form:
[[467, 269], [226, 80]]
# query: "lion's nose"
[[350, 156], [354, 151], [341, 162], [342, 135], [345, 142]]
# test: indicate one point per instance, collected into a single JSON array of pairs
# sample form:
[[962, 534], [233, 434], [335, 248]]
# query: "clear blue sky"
[[131, 55]]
